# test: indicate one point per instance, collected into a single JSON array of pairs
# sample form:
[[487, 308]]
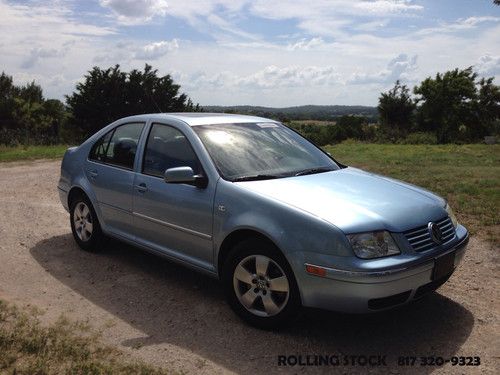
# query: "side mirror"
[[184, 175]]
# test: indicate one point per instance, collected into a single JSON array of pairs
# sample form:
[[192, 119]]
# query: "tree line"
[[103, 96], [455, 106]]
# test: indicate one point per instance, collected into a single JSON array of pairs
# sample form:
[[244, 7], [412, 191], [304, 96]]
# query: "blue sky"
[[260, 52]]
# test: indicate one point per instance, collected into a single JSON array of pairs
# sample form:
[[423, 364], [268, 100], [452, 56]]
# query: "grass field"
[[31, 152], [467, 175], [27, 347]]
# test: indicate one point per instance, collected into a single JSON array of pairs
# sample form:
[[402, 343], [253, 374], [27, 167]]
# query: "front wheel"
[[260, 285]]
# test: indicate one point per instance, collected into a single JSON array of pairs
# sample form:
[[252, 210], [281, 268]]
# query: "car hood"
[[354, 200]]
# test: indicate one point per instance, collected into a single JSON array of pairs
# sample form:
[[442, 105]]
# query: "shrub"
[[420, 138]]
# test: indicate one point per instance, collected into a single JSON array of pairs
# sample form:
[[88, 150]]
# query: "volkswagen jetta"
[[251, 202]]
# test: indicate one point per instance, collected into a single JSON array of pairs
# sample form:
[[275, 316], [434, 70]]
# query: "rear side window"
[[98, 151], [119, 146], [168, 148]]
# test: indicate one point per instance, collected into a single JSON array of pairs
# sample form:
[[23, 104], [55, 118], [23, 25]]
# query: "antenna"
[[152, 99]]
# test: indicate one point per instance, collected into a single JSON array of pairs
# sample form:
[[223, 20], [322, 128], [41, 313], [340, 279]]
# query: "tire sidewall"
[[247, 248]]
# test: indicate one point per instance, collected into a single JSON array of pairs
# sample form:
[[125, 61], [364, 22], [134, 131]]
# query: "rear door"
[[110, 170], [173, 218]]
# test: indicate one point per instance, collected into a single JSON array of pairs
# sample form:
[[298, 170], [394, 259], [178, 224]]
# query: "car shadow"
[[172, 304]]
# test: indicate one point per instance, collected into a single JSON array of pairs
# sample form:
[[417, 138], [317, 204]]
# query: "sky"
[[256, 52]]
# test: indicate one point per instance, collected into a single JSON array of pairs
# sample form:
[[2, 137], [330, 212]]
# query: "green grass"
[[31, 152], [467, 175], [27, 347]]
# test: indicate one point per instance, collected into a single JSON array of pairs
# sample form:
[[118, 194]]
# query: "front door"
[[173, 218]]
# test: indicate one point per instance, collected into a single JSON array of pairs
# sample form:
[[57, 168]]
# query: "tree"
[[395, 109], [7, 101], [26, 117], [454, 105], [107, 95], [486, 109], [347, 126]]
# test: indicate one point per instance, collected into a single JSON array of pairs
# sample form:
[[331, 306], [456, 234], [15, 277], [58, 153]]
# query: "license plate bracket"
[[443, 266]]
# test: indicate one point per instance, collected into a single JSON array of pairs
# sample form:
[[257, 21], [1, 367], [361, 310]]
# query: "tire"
[[248, 274], [85, 224]]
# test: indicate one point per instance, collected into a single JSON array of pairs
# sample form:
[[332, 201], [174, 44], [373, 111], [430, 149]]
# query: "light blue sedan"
[[251, 202]]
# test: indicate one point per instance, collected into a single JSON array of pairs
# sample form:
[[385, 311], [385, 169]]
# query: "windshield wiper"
[[255, 177], [313, 171]]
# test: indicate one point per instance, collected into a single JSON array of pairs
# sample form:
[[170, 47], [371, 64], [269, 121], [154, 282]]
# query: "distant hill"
[[304, 112]]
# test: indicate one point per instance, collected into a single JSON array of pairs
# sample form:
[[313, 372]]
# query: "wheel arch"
[[75, 191], [237, 236]]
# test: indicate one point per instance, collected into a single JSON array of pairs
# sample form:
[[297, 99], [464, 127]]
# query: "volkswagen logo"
[[435, 232]]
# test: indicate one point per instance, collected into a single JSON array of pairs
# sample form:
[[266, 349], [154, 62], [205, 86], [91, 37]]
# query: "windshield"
[[253, 151]]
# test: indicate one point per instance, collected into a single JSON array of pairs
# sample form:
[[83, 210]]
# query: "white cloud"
[[459, 25], [372, 25], [40, 53], [156, 50], [330, 17], [273, 76], [136, 11], [488, 65], [384, 7], [270, 77], [398, 68], [305, 44]]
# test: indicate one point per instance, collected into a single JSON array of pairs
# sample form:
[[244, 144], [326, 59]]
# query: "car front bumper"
[[374, 290]]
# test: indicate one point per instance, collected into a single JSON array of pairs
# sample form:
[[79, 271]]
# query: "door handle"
[[92, 173], [141, 188]]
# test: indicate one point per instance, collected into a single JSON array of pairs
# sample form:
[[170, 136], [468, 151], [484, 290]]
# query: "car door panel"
[[109, 170], [175, 218], [113, 190]]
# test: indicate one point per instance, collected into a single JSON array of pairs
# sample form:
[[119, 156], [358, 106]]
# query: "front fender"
[[293, 231]]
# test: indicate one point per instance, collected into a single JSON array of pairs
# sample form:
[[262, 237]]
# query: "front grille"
[[420, 238]]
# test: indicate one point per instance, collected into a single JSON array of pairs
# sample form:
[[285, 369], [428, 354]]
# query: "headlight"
[[373, 244], [451, 215]]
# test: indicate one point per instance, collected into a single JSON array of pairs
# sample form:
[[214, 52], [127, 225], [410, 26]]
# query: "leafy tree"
[[7, 101], [486, 110], [456, 107], [26, 117], [396, 109], [347, 126], [107, 95]]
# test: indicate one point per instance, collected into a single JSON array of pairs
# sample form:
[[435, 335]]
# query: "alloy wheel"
[[261, 285], [82, 219]]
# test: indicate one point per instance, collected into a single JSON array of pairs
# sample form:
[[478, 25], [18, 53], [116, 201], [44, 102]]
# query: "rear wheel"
[[85, 225], [260, 285]]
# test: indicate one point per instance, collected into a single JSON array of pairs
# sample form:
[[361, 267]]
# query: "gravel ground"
[[173, 317]]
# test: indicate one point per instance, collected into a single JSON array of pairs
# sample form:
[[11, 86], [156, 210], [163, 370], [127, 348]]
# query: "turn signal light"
[[315, 270]]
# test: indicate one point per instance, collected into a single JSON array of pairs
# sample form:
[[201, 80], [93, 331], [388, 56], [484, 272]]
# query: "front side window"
[[247, 151], [119, 146], [168, 148]]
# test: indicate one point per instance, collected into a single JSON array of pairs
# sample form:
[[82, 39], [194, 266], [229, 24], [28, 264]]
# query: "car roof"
[[200, 118]]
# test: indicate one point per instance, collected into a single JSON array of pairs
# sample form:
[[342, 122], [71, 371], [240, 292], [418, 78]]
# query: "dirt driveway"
[[173, 317]]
